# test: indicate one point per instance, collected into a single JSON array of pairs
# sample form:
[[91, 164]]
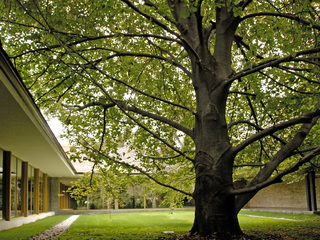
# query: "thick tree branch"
[[226, 26], [177, 8], [199, 22], [269, 131]]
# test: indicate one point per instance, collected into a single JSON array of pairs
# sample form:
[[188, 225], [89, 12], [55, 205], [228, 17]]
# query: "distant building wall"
[[283, 195]]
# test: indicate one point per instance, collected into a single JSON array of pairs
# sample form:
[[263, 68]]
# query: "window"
[[15, 187]]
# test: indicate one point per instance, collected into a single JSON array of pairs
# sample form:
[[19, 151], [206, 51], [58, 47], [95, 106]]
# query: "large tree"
[[199, 90]]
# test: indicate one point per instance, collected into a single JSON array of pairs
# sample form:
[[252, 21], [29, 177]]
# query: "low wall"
[[283, 195], [17, 222]]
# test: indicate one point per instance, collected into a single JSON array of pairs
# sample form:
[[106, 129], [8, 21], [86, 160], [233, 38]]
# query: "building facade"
[[33, 165]]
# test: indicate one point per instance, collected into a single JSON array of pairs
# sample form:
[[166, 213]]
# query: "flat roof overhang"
[[23, 129]]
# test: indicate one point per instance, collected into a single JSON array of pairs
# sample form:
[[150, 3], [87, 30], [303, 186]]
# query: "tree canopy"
[[203, 92]]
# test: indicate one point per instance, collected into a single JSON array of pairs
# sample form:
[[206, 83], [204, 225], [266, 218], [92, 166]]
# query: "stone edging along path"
[[56, 230]]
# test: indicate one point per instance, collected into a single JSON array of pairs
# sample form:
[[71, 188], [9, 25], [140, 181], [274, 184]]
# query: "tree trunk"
[[215, 209], [215, 216]]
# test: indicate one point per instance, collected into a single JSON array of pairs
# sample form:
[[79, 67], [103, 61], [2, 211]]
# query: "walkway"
[[56, 230]]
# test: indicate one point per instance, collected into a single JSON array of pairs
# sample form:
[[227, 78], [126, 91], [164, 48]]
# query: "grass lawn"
[[28, 230], [268, 225], [262, 225], [137, 225], [151, 225]]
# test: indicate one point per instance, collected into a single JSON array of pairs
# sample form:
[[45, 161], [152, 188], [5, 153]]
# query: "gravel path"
[[56, 230]]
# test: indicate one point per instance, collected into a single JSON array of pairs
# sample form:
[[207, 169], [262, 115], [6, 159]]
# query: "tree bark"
[[215, 209]]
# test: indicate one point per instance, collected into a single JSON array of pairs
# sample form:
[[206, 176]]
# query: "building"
[[34, 169]]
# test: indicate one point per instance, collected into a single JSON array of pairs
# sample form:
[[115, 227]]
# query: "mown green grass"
[[151, 225], [143, 225], [31, 229], [280, 225]]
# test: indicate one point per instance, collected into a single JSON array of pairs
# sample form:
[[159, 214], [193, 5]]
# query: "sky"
[[56, 128]]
